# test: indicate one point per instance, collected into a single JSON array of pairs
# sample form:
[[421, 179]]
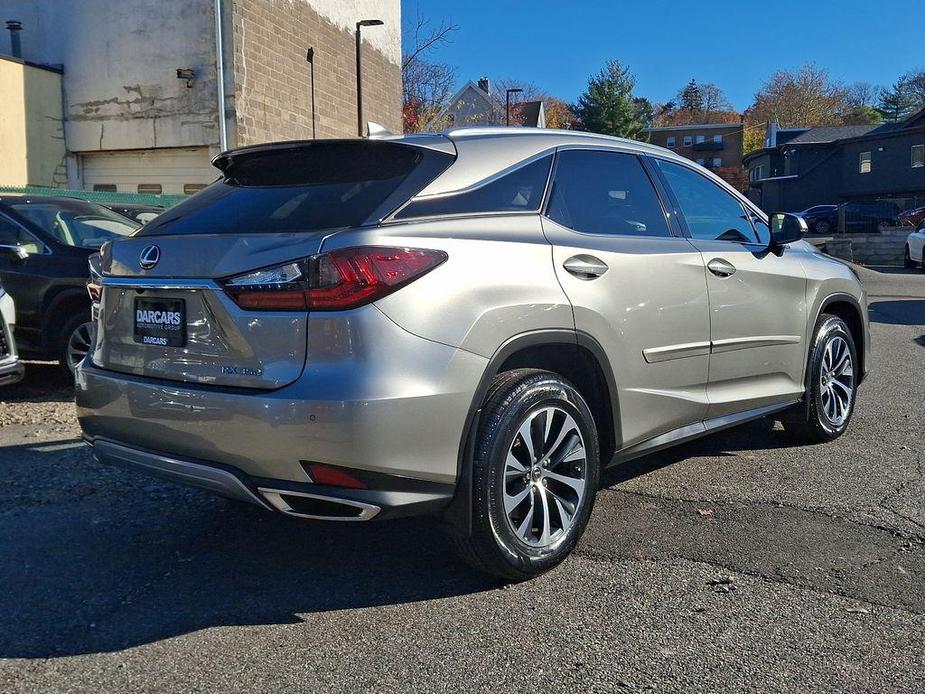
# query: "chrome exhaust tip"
[[318, 506]]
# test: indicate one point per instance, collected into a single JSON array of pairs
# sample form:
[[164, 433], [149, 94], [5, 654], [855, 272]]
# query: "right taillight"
[[335, 281]]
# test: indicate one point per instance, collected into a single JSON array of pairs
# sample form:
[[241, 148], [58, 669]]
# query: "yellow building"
[[32, 150]]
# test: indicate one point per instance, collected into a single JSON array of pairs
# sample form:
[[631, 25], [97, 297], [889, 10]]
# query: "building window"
[[149, 188], [670, 142], [192, 188], [864, 162], [104, 187], [700, 138], [718, 139], [688, 140], [717, 162], [918, 156]]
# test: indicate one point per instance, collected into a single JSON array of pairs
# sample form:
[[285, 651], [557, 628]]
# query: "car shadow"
[[43, 381], [898, 311]]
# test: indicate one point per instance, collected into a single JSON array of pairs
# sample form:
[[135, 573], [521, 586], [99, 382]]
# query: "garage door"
[[152, 171]]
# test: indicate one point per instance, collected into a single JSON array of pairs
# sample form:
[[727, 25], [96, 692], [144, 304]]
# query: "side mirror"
[[786, 227], [14, 249]]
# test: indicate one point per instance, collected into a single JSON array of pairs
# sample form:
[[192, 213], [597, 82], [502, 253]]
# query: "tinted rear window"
[[322, 185]]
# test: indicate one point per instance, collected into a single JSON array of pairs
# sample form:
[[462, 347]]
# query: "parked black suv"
[[864, 217], [44, 246]]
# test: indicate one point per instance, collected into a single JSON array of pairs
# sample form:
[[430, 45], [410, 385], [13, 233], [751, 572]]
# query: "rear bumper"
[[372, 398], [313, 501]]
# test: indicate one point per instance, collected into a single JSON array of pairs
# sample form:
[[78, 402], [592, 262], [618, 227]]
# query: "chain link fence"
[[99, 196]]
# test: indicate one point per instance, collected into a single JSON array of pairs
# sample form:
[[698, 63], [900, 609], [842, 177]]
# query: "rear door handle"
[[585, 267], [721, 268]]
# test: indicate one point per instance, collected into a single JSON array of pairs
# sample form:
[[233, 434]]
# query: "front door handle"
[[721, 268], [585, 267]]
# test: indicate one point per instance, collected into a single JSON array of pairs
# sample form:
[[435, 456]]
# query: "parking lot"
[[738, 562]]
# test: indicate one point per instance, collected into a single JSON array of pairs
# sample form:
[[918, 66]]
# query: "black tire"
[[907, 258], [822, 227], [70, 326], [811, 422], [493, 547]]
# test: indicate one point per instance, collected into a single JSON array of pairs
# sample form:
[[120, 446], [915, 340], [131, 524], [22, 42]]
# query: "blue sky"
[[557, 45]]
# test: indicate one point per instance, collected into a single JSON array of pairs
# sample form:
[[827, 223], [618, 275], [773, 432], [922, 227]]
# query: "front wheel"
[[832, 386], [907, 258], [535, 475], [822, 227]]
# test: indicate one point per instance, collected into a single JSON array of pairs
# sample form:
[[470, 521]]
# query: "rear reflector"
[[333, 476], [336, 281]]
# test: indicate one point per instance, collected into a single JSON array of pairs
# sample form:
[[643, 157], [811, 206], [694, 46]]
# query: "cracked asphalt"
[[739, 562]]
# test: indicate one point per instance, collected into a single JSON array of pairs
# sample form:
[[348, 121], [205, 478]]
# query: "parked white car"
[[11, 370], [915, 248]]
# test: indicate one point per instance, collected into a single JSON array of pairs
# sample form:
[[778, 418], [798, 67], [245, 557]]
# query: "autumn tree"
[[426, 85], [559, 114], [806, 97], [697, 104], [606, 106]]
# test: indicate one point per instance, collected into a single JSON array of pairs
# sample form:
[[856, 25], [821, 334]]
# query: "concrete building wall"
[[120, 60], [272, 80], [32, 148]]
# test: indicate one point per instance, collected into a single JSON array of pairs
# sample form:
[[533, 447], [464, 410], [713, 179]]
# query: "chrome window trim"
[[159, 283]]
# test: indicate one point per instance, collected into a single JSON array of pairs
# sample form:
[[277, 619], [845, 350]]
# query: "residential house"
[[138, 106], [479, 104], [799, 168], [716, 146]]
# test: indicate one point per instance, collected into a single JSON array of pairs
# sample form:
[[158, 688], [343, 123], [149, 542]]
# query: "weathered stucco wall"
[[120, 58], [31, 133], [272, 97]]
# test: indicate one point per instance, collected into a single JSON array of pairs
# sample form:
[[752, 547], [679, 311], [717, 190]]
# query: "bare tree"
[[426, 85]]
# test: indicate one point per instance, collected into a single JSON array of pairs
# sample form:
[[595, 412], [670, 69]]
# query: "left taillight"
[[335, 281]]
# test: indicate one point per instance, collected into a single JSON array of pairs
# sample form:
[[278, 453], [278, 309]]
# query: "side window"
[[605, 193], [521, 190], [11, 234], [762, 229], [711, 213]]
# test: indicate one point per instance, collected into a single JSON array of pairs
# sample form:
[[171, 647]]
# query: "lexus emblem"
[[149, 257]]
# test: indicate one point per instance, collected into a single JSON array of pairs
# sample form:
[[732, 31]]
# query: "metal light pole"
[[310, 57], [507, 104], [362, 23]]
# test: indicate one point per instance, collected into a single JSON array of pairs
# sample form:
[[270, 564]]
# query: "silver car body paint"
[[389, 388]]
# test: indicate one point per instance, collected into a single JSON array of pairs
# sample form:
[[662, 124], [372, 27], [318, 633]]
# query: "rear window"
[[309, 187]]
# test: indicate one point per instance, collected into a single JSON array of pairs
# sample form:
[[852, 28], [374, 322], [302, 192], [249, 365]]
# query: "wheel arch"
[[61, 304], [577, 357], [848, 308]]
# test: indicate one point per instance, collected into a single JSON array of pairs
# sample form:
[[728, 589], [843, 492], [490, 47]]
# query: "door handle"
[[585, 267], [721, 268]]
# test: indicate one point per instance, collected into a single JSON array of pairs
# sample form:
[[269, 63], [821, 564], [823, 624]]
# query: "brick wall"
[[272, 84]]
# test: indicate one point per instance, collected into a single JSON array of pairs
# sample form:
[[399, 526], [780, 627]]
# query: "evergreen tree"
[[607, 105], [691, 97], [896, 103]]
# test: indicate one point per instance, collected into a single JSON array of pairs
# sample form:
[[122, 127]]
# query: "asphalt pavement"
[[739, 562]]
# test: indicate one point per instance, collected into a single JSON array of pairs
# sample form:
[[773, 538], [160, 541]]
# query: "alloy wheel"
[[836, 381], [78, 345], [822, 227], [544, 477]]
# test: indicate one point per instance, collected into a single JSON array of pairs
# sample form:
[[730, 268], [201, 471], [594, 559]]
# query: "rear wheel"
[[74, 341], [833, 371], [822, 227], [534, 478]]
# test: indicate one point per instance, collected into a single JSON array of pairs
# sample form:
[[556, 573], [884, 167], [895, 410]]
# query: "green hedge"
[[101, 197]]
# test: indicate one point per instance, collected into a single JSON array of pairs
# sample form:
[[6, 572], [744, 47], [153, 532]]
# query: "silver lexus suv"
[[471, 324]]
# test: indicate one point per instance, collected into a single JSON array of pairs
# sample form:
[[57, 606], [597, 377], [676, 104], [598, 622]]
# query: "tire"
[[72, 335], [525, 520], [822, 227], [828, 412], [907, 258]]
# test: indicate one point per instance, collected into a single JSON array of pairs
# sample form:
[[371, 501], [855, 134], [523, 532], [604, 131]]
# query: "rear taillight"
[[334, 281]]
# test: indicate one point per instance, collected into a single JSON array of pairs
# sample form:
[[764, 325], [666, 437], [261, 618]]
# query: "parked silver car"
[[11, 369], [470, 324]]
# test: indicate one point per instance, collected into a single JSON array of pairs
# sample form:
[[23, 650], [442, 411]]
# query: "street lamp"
[[507, 104], [310, 58], [362, 23]]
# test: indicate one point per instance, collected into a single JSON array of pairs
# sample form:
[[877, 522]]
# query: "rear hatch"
[[163, 310]]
